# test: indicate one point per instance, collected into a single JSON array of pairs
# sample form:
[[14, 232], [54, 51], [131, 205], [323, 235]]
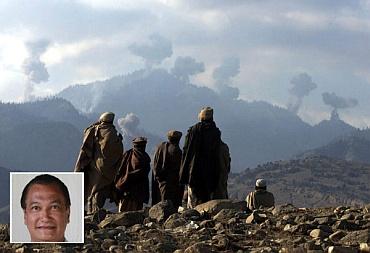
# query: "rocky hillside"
[[351, 147], [313, 181], [218, 226]]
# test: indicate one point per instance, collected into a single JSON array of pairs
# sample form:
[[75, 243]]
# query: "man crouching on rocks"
[[260, 197]]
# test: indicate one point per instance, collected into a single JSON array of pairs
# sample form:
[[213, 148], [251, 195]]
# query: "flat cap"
[[261, 182], [174, 134], [107, 117], [206, 113], [139, 140]]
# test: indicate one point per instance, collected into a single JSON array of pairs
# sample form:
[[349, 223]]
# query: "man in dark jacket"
[[200, 159], [132, 180], [99, 159], [224, 160], [166, 168]]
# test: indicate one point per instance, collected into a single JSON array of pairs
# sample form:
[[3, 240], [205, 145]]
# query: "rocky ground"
[[218, 226]]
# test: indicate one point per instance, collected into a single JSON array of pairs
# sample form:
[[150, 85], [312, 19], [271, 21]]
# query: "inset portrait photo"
[[46, 207]]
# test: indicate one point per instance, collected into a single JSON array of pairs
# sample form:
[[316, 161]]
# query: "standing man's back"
[[132, 180], [200, 165], [224, 160], [166, 168], [99, 159]]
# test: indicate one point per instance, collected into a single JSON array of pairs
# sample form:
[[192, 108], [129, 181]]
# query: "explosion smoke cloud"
[[34, 69], [337, 102], [302, 86], [229, 68], [154, 52], [185, 67]]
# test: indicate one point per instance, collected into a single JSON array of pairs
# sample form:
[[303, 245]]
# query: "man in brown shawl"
[[132, 181], [260, 198], [166, 168], [200, 164], [99, 159]]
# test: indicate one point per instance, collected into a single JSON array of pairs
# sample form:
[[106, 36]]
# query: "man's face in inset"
[[46, 215]]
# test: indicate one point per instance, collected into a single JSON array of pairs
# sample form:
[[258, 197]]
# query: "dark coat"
[[224, 159], [200, 162], [166, 168], [132, 178]]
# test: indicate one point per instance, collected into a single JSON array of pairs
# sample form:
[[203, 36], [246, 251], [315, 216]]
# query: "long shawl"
[[133, 174]]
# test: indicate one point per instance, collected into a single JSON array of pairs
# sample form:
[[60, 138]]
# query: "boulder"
[[199, 247], [356, 237], [214, 206], [174, 221], [162, 210], [256, 217], [336, 236], [318, 233], [190, 214], [340, 249], [224, 215], [123, 219]]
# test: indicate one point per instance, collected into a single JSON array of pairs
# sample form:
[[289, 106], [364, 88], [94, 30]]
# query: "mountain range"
[[256, 132], [45, 135], [40, 136], [354, 146]]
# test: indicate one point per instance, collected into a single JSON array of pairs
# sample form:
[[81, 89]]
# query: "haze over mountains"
[[40, 136], [45, 135], [256, 132], [354, 146]]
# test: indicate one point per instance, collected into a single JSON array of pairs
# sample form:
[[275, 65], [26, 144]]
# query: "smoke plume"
[[129, 126], [337, 102], [185, 67], [34, 68], [154, 52], [302, 86], [223, 74]]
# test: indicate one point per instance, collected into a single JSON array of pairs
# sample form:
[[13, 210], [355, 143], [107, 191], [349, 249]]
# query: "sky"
[[309, 56]]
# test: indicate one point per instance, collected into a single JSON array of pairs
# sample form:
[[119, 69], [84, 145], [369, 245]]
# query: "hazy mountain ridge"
[[314, 181], [351, 147], [256, 132], [35, 137]]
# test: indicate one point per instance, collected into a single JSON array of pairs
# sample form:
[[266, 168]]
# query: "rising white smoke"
[[302, 86], [337, 102], [129, 126], [185, 67], [223, 75], [153, 52], [33, 68]]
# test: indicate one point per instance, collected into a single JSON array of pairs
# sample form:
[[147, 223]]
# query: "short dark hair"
[[46, 179]]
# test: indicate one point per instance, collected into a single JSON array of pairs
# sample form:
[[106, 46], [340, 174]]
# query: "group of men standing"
[[199, 172]]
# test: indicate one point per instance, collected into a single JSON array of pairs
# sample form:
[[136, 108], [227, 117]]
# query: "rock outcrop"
[[284, 229]]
